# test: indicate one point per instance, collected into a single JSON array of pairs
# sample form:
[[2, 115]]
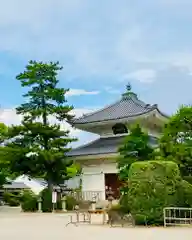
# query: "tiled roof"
[[128, 106], [102, 146], [16, 185]]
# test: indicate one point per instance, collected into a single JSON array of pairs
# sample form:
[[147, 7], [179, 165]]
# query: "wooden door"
[[112, 182]]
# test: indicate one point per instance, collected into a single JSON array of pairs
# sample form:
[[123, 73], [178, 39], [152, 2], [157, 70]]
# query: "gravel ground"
[[15, 225]]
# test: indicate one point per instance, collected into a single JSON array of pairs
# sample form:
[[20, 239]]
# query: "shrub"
[[29, 201], [140, 219], [153, 185], [7, 196], [70, 203], [13, 202], [186, 192], [12, 199], [47, 205], [124, 203], [188, 179]]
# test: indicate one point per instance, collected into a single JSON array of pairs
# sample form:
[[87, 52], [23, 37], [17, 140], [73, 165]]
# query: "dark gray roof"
[[102, 146], [16, 185], [128, 106]]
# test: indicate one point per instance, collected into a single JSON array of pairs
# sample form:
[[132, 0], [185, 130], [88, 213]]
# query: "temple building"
[[112, 123]]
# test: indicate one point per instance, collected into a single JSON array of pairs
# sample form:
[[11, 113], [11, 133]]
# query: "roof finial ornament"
[[128, 87], [129, 94]]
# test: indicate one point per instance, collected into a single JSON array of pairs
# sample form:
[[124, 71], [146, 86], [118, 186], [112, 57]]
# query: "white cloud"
[[112, 90], [85, 37], [78, 92], [142, 75], [55, 33], [9, 116], [179, 59]]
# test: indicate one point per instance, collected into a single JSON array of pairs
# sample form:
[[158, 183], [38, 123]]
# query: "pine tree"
[[38, 147], [135, 147]]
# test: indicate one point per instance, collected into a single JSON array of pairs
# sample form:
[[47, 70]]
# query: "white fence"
[[86, 195], [177, 216]]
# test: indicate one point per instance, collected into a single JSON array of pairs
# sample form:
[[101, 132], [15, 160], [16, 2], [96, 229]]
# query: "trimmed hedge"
[[188, 179], [154, 185], [186, 193]]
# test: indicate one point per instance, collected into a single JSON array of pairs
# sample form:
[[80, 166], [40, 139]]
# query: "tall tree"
[[136, 147], [4, 171], [3, 132], [38, 147], [176, 141]]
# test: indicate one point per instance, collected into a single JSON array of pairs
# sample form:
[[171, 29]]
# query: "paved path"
[[52, 226]]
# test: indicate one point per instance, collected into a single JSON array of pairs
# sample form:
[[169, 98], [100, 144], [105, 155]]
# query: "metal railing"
[[174, 216], [86, 195]]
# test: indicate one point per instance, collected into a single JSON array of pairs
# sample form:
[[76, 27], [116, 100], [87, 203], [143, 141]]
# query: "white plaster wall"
[[109, 167], [93, 182], [73, 182], [106, 132], [93, 177], [101, 168]]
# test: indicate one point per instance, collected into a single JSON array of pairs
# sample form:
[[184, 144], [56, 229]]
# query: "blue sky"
[[102, 45]]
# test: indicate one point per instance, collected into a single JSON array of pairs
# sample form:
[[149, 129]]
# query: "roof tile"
[[102, 146], [128, 106]]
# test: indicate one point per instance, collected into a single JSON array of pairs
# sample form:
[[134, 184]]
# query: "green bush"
[[140, 219], [70, 203], [7, 196], [13, 202], [188, 179], [186, 193], [12, 199], [47, 205], [124, 203], [153, 185], [29, 201]]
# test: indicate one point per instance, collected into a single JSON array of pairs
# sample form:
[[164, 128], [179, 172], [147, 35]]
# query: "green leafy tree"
[[3, 165], [176, 141], [38, 147], [3, 132], [135, 147]]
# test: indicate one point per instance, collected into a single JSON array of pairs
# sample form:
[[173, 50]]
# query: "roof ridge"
[[99, 110], [110, 105], [126, 107], [140, 103]]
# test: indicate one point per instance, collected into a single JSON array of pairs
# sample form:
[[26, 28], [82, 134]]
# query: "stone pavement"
[[49, 226]]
